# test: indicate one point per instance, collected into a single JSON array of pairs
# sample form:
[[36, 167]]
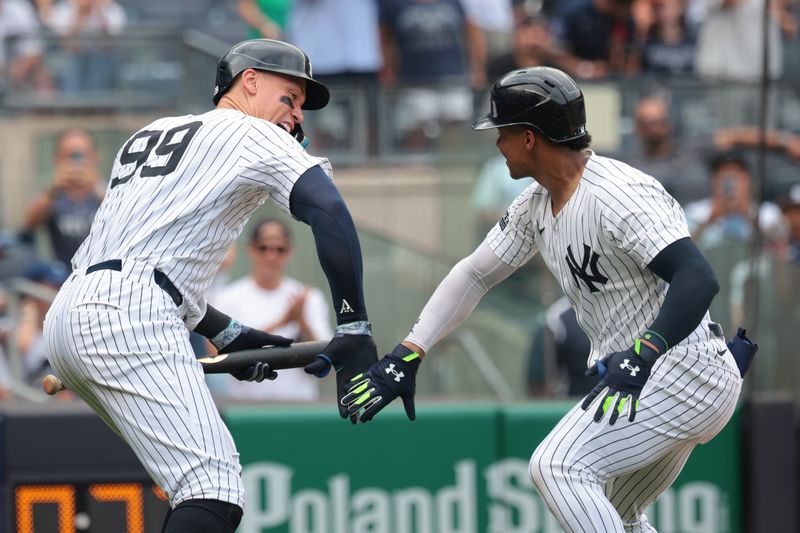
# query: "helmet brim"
[[317, 95], [485, 123], [488, 122]]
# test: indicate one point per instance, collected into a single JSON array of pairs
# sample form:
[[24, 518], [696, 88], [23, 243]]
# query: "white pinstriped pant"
[[597, 477], [117, 340]]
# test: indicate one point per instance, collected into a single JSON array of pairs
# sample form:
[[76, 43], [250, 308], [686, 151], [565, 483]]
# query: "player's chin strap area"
[[300, 136]]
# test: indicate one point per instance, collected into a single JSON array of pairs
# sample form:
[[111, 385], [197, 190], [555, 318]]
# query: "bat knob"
[[52, 385]]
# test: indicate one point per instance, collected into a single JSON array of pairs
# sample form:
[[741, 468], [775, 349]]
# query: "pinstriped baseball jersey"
[[598, 247], [595, 476], [182, 189], [180, 192]]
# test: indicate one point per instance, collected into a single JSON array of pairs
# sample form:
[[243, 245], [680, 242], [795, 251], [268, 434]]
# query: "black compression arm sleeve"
[[692, 287], [316, 201], [212, 323]]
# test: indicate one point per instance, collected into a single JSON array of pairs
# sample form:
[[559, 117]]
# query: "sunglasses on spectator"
[[652, 121], [280, 250], [75, 156]]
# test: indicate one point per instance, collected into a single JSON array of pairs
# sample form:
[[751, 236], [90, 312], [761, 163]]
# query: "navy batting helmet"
[[271, 56], [541, 97]]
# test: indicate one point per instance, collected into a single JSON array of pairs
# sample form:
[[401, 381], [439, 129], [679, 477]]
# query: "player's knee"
[[543, 469], [203, 516]]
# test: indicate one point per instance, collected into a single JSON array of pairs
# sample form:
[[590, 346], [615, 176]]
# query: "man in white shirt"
[[20, 45], [276, 303]]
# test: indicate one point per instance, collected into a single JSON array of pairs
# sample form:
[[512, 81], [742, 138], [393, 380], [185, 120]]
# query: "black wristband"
[[212, 323]]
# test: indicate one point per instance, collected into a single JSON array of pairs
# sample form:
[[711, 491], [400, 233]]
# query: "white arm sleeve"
[[458, 294]]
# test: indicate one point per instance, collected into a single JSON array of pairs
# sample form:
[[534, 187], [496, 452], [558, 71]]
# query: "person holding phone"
[[66, 209], [727, 216]]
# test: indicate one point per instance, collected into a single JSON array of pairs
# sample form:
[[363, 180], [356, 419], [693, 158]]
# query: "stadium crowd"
[[436, 58]]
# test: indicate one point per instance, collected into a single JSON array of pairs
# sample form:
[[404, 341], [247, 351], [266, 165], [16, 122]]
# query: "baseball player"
[[620, 248], [180, 192]]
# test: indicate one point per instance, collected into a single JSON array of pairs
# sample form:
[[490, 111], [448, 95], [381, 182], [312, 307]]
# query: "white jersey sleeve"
[[457, 295], [512, 239], [642, 220], [274, 159]]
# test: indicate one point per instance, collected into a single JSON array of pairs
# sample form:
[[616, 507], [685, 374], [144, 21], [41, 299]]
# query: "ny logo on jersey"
[[589, 262], [626, 365], [397, 375]]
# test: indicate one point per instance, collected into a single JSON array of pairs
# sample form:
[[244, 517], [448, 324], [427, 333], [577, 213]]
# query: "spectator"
[[354, 61], [15, 256], [21, 48], [680, 163], [670, 44], [558, 355], [435, 53], [533, 45], [67, 209], [5, 372], [680, 166], [85, 26], [29, 328], [281, 305], [599, 38], [351, 24], [495, 20], [266, 18], [5, 377], [729, 57], [727, 216], [790, 205]]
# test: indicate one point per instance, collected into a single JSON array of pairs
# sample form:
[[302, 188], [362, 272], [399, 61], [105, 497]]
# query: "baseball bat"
[[297, 355]]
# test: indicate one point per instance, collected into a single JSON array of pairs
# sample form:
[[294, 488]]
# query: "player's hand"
[[245, 338], [394, 375], [350, 352], [238, 337], [623, 375], [257, 372]]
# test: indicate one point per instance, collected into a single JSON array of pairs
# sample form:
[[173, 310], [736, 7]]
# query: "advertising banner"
[[456, 469]]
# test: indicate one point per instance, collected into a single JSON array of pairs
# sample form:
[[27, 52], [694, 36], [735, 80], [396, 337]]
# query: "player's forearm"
[[39, 211], [692, 287], [456, 297], [317, 202]]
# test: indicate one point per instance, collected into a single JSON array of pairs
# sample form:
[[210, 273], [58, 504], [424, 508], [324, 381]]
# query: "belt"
[[716, 330], [159, 277]]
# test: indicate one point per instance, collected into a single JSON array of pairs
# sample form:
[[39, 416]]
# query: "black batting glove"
[[350, 352], [623, 375], [743, 350], [257, 372], [394, 375], [237, 337]]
